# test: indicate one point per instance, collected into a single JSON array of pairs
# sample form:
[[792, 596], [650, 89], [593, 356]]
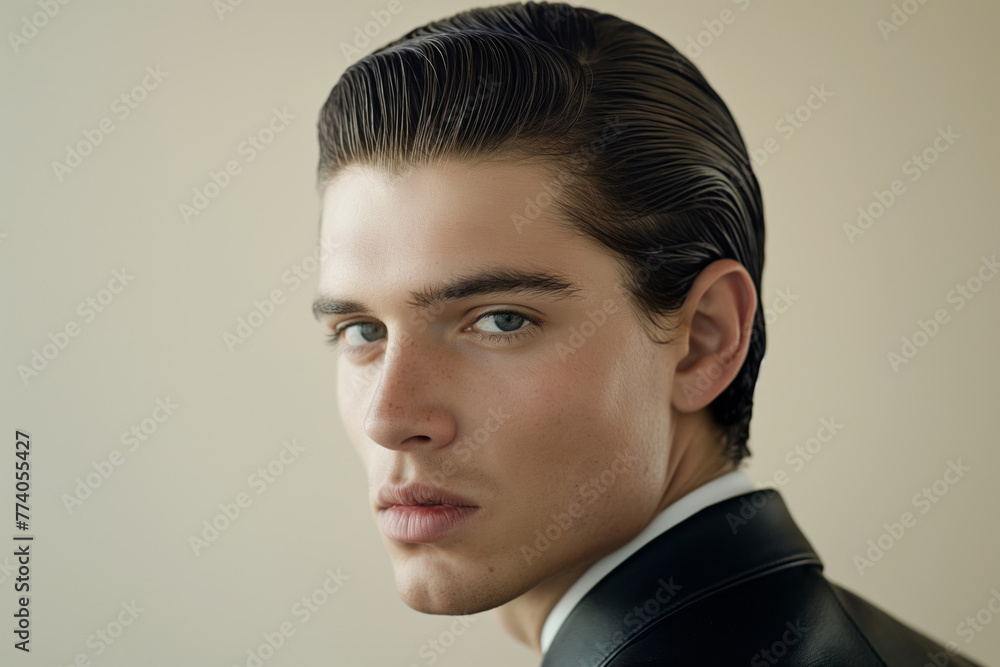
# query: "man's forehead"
[[440, 213], [497, 190], [443, 232]]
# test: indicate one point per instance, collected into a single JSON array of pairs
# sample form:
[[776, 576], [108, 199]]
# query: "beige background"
[[163, 335]]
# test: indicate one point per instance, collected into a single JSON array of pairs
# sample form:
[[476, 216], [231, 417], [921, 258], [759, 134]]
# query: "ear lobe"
[[717, 320]]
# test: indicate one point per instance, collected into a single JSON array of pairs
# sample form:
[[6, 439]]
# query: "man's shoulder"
[[736, 583], [793, 616]]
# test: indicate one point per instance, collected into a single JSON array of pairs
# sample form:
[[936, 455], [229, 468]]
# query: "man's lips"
[[423, 523], [421, 513], [417, 494]]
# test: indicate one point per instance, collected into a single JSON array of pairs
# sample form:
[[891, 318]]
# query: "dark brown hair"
[[669, 190]]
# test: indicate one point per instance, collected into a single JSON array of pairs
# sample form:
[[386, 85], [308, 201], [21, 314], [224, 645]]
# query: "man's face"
[[557, 431]]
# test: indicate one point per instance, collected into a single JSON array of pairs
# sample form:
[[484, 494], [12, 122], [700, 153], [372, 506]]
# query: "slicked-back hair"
[[643, 156]]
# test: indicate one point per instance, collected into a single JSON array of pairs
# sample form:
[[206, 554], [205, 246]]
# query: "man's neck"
[[689, 468]]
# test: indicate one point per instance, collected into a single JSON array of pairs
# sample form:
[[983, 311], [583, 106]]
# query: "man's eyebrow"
[[496, 280]]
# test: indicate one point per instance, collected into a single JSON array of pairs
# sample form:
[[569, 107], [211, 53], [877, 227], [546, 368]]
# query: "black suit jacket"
[[734, 584]]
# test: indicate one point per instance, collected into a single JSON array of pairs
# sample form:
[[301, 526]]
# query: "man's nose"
[[410, 405]]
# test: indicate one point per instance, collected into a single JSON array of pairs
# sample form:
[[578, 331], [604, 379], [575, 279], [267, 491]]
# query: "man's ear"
[[715, 324]]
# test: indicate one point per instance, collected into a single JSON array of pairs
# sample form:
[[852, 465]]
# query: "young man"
[[544, 254]]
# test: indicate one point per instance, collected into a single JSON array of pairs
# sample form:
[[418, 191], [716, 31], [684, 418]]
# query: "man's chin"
[[445, 602], [447, 593]]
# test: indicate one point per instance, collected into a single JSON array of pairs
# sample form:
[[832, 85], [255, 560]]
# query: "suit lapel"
[[731, 541]]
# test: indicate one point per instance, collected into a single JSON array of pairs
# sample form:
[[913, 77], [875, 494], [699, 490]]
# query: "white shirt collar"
[[731, 484]]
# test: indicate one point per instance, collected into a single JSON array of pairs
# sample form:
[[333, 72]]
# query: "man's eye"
[[363, 332], [505, 321], [509, 326], [501, 326]]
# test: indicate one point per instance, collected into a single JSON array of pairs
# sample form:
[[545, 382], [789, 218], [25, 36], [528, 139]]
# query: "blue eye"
[[509, 327], [508, 321], [508, 335], [366, 330]]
